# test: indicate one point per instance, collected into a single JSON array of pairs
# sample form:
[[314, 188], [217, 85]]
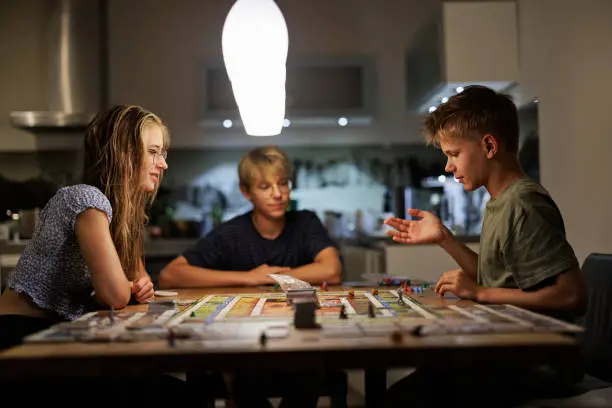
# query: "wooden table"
[[302, 350]]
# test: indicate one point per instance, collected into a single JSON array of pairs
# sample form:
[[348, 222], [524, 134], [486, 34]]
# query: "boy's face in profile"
[[467, 159], [269, 193]]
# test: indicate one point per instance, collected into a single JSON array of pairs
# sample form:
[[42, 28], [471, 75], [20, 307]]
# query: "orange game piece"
[[375, 292], [351, 294]]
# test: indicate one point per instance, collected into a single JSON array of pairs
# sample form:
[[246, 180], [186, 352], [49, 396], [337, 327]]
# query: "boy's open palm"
[[427, 230]]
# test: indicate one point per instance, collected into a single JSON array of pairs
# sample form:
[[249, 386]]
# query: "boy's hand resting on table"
[[427, 230], [142, 289], [259, 275], [458, 283]]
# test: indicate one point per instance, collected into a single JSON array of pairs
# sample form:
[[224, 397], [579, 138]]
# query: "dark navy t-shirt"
[[237, 246]]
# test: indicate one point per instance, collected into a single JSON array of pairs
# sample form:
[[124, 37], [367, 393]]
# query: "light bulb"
[[255, 43]]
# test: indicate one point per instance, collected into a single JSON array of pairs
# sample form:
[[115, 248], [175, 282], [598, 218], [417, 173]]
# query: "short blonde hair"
[[263, 161]]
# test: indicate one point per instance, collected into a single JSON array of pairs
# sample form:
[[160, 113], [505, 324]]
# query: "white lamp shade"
[[255, 43]]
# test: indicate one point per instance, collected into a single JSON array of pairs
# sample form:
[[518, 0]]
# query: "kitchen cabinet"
[[22, 71]]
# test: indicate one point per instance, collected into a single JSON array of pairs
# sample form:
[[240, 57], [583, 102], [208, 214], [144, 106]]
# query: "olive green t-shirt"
[[523, 246], [523, 239]]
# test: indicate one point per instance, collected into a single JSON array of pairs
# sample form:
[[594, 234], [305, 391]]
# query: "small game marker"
[[375, 292], [371, 310], [343, 314], [397, 337], [171, 338], [351, 294]]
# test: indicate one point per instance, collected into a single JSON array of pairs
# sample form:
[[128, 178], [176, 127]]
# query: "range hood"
[[76, 71], [464, 43]]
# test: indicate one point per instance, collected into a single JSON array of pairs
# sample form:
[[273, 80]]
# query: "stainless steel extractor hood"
[[76, 87]]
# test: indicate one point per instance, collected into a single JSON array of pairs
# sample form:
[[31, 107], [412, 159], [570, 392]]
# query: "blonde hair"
[[263, 161], [115, 159]]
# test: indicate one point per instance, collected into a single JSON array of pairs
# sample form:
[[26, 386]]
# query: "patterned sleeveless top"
[[51, 270]]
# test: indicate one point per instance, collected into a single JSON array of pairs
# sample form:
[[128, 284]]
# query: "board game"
[[225, 319]]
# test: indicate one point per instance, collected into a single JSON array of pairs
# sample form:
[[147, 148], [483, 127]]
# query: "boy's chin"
[[276, 214], [471, 187]]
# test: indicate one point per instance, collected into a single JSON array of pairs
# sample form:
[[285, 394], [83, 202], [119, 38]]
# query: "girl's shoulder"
[[76, 198]]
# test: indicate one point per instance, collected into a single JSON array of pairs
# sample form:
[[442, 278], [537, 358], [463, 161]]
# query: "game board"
[[274, 306], [229, 318]]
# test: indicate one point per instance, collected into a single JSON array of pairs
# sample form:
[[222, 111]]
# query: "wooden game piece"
[[343, 314], [305, 314], [171, 338], [371, 310], [276, 287], [400, 297], [324, 286], [397, 337], [417, 331], [351, 294], [375, 292], [263, 339], [192, 314]]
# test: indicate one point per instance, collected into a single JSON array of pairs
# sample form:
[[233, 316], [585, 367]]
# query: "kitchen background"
[[394, 60], [359, 86], [201, 188]]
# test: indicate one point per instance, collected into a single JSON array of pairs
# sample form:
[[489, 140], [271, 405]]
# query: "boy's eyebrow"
[[156, 146]]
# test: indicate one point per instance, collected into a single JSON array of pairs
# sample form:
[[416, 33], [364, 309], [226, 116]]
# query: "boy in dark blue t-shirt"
[[246, 249], [267, 240]]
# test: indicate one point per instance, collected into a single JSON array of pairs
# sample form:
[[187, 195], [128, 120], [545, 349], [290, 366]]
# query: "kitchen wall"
[[567, 69], [154, 52]]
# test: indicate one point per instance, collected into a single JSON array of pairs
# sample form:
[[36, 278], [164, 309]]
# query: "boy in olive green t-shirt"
[[524, 260]]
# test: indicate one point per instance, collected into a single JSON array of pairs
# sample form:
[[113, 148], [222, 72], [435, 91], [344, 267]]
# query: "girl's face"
[[155, 157]]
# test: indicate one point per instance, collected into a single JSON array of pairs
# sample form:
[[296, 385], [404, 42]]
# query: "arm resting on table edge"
[[567, 293], [325, 268]]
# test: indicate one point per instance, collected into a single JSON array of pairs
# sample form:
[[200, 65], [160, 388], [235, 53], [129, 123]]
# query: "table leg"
[[375, 388]]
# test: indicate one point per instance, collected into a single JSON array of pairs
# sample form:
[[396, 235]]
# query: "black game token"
[[171, 338], [343, 314], [371, 310]]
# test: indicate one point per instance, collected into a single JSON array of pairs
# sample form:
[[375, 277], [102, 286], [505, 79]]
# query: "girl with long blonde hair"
[[86, 251]]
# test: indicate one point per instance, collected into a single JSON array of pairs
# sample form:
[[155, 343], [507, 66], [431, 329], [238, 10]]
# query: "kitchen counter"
[[152, 248], [376, 242]]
